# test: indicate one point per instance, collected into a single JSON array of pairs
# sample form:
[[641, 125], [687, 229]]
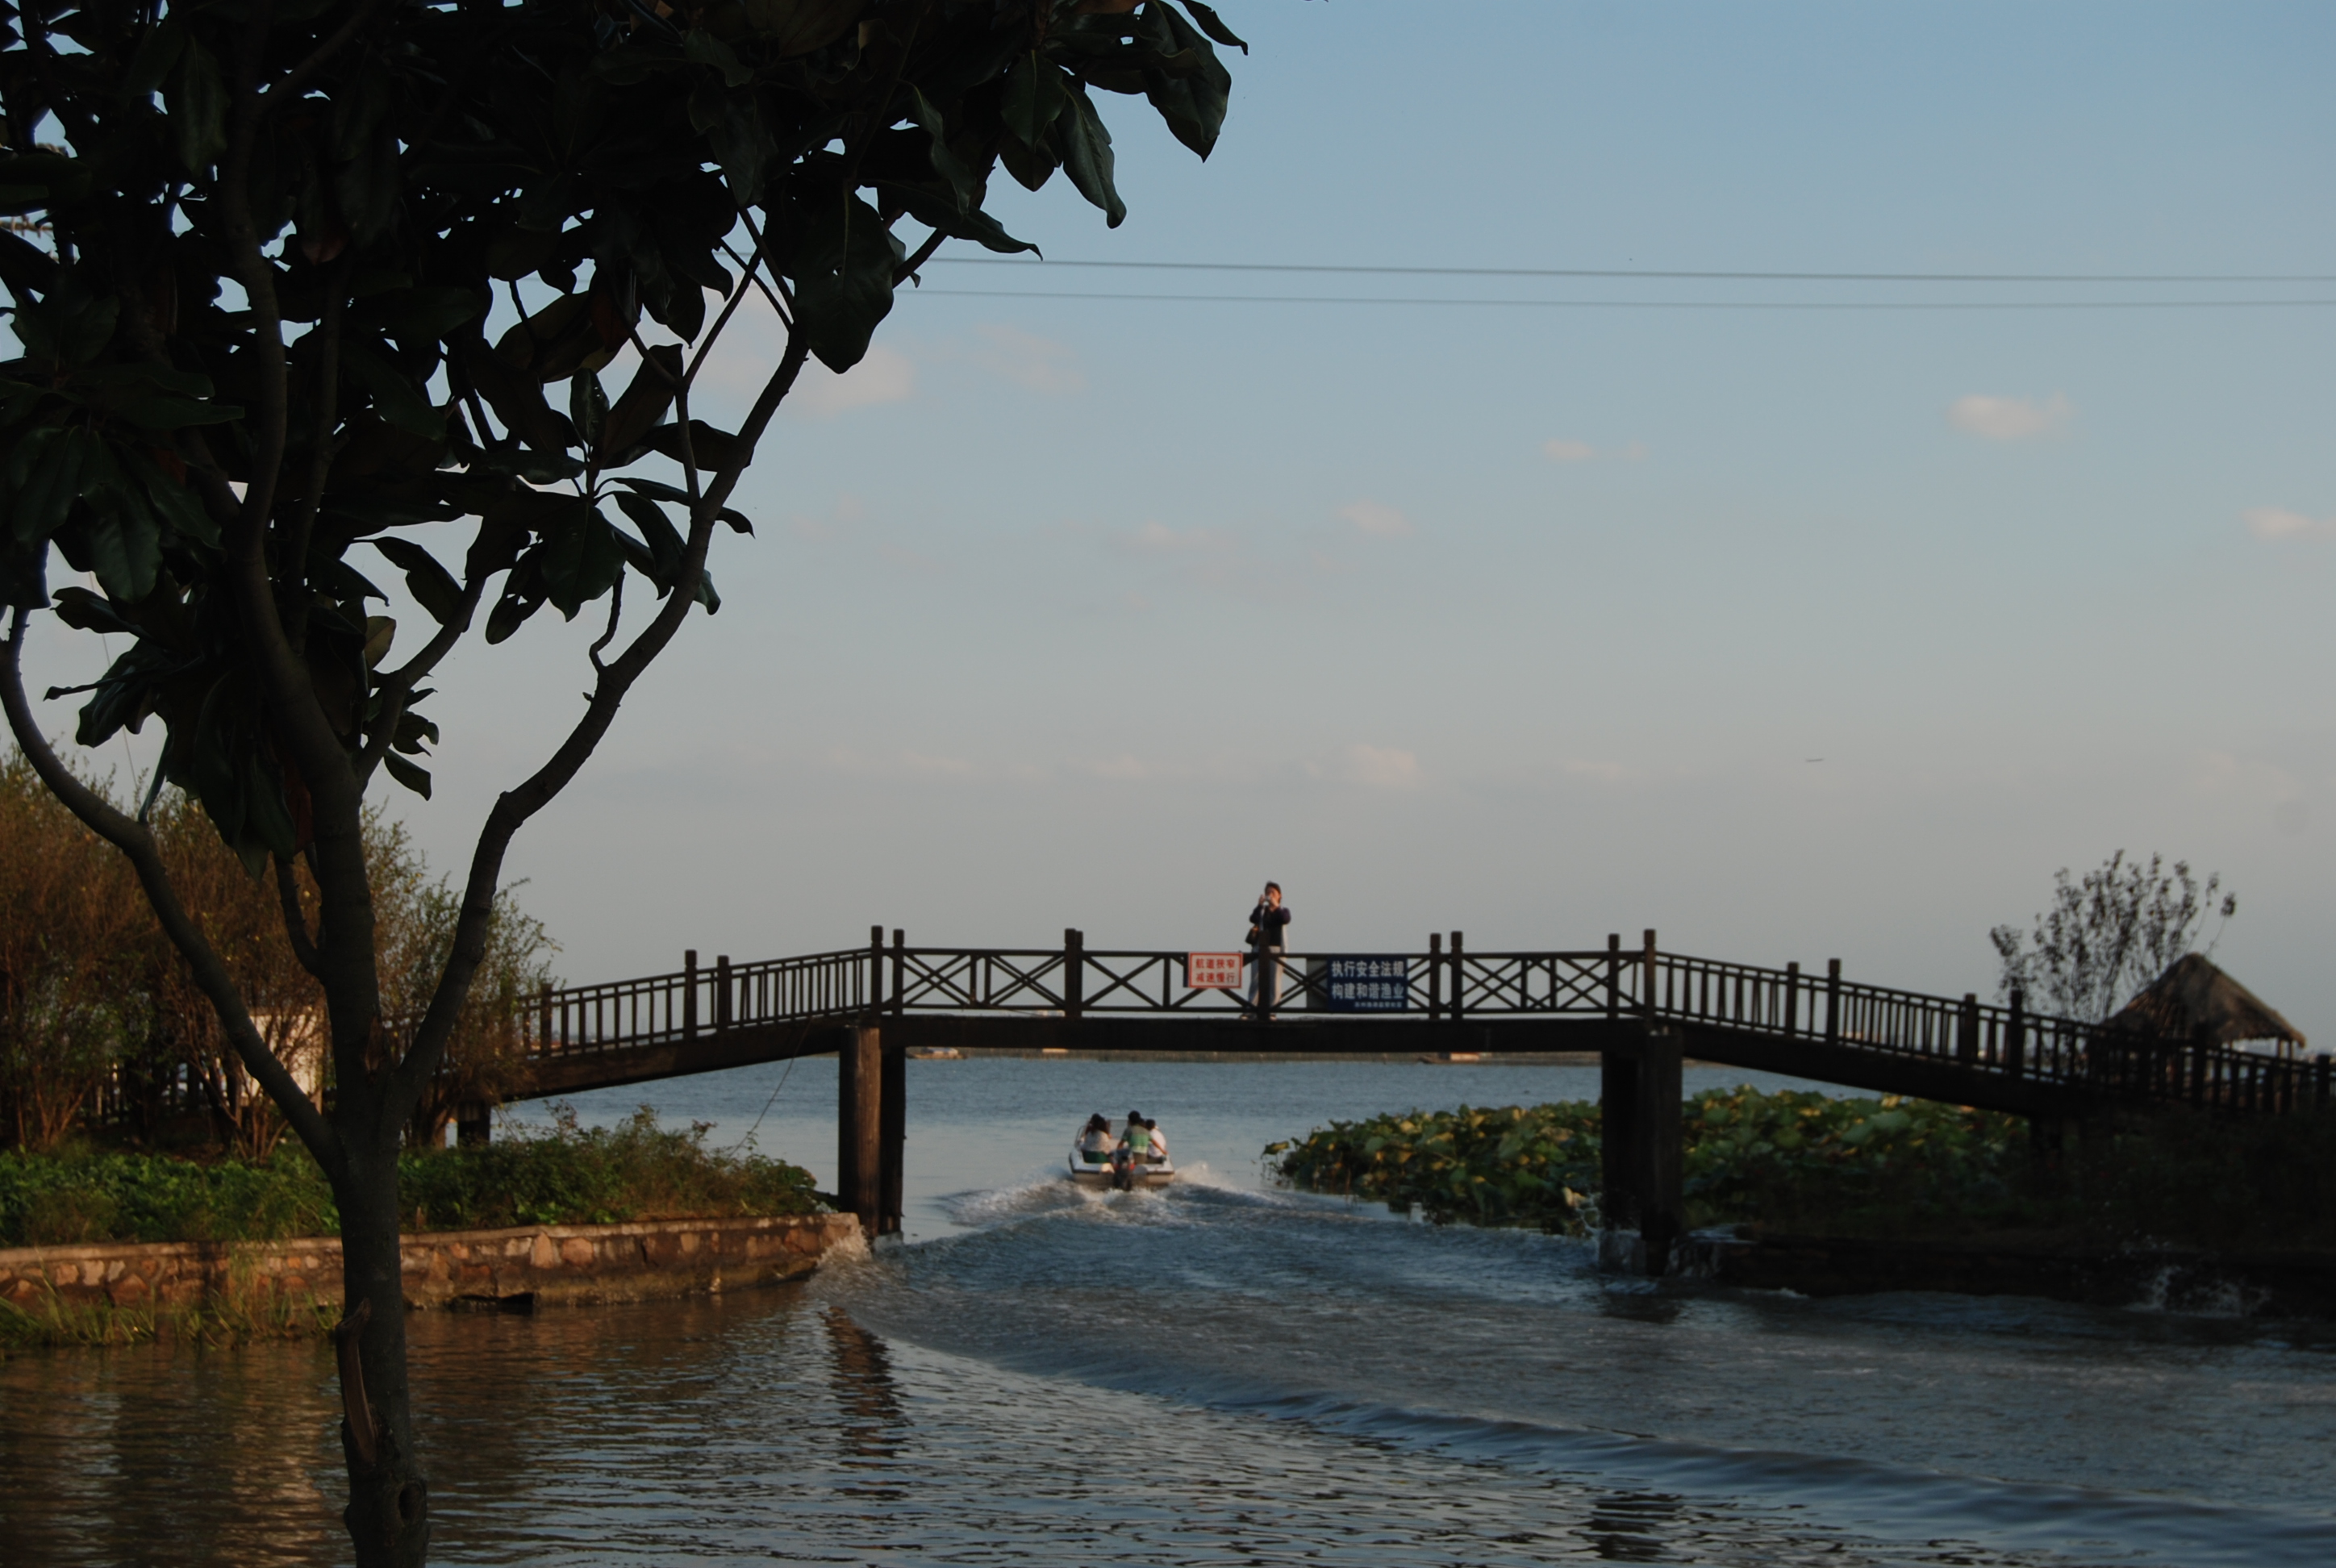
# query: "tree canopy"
[[313, 295]]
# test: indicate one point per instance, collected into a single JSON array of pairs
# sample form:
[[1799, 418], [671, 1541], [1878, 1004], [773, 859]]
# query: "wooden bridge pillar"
[[1642, 1153], [859, 1126]]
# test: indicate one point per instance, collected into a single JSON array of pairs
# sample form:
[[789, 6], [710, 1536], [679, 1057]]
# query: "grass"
[[1811, 1164]]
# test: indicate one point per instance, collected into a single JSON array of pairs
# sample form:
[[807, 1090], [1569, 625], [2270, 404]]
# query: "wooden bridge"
[[1641, 1009]]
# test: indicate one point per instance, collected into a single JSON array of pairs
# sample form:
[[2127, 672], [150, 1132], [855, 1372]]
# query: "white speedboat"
[[1090, 1168]]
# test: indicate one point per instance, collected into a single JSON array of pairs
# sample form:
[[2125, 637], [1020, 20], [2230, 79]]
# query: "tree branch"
[[515, 806], [295, 921], [138, 846]]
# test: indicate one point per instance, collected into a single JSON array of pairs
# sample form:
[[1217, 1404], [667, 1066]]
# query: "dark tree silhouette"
[[257, 365]]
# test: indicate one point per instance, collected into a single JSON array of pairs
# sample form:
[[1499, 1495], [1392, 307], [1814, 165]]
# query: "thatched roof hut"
[[2194, 992]]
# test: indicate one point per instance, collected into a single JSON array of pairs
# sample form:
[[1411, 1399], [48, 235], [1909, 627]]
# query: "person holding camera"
[[1267, 924]]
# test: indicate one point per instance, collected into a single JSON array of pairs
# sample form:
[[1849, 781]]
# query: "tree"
[[2105, 936], [69, 927], [256, 367]]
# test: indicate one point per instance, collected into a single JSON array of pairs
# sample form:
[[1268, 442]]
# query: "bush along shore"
[[564, 1174], [1889, 1168]]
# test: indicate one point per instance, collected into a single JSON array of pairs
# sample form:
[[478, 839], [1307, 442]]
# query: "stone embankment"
[[515, 1269]]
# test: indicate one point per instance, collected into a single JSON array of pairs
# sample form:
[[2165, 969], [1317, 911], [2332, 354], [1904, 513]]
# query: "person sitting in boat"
[[1095, 1140], [1137, 1139], [1159, 1154]]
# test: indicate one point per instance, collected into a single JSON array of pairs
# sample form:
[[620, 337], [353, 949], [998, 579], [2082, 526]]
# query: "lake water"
[[1218, 1373]]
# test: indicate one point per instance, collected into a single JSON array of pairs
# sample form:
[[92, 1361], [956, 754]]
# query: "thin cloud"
[[2010, 418], [1029, 361], [886, 375], [1560, 449], [1382, 767], [1156, 538], [2278, 522], [1379, 521]]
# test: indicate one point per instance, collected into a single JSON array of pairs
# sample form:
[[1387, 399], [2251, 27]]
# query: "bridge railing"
[[1444, 982], [697, 1000]]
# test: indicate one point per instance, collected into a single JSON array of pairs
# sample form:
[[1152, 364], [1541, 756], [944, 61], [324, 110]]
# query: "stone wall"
[[522, 1267]]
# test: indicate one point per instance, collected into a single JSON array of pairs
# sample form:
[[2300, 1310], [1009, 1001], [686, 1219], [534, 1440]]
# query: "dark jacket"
[[1269, 921]]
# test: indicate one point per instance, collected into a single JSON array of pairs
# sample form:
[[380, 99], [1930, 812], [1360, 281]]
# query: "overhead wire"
[[1741, 277], [1711, 304]]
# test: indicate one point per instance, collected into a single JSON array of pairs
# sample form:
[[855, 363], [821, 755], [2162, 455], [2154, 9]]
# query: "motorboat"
[[1090, 1168]]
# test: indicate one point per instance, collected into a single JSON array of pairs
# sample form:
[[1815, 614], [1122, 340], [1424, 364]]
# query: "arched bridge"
[[1643, 1010]]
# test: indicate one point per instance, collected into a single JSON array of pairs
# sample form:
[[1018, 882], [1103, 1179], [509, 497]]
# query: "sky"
[[1791, 633]]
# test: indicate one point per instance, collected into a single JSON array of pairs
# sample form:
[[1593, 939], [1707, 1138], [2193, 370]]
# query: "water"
[[1213, 1374]]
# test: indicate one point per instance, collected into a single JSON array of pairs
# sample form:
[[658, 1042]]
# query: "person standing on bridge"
[[1267, 924]]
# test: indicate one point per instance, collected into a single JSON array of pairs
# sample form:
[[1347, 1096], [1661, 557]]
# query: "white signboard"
[[1212, 971]]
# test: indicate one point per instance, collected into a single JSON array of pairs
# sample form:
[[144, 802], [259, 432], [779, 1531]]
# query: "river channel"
[[1218, 1373]]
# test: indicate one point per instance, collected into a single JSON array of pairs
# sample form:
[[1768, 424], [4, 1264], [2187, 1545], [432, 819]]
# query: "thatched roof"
[[2194, 992]]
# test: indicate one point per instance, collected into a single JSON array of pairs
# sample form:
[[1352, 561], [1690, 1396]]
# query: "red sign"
[[1212, 971]]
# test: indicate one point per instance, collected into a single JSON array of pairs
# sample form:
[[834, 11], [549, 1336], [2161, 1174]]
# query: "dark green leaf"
[[844, 278], [960, 179], [714, 449], [44, 476], [433, 585], [417, 313], [396, 398], [196, 98], [929, 206], [665, 543], [1086, 155], [158, 50], [1214, 25], [1035, 91], [416, 779], [738, 521]]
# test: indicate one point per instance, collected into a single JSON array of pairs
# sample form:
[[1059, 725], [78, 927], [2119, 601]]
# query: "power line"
[[1786, 304], [2132, 278]]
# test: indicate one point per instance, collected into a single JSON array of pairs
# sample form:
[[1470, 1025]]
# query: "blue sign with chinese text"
[[1362, 984]]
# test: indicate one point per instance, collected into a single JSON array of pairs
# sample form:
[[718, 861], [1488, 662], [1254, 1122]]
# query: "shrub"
[[564, 1174]]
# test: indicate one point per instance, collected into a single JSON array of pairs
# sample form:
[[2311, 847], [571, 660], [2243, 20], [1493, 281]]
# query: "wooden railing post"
[[689, 995], [1613, 974], [1793, 997], [874, 1003], [1833, 1001], [543, 1021], [1075, 974], [1434, 977], [1646, 1008], [721, 993], [1966, 1031], [1459, 981], [900, 970], [2319, 1081], [2015, 1029]]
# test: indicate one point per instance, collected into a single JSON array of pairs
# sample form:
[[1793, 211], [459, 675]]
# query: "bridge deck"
[[1448, 999]]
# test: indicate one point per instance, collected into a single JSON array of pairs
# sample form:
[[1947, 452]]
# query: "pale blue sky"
[[1098, 612]]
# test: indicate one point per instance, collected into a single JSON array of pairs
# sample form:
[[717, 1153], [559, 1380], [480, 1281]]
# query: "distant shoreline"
[[1488, 1059]]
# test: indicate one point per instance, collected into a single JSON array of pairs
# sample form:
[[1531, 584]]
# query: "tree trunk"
[[388, 1515]]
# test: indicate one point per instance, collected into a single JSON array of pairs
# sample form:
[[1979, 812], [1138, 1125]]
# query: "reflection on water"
[[1215, 1375]]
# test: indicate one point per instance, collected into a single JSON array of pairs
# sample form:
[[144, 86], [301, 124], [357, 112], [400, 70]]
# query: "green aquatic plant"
[[1779, 1158]]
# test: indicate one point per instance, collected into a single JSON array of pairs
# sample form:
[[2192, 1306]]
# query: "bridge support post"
[[859, 1128], [1643, 1155], [892, 1135], [474, 1124]]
